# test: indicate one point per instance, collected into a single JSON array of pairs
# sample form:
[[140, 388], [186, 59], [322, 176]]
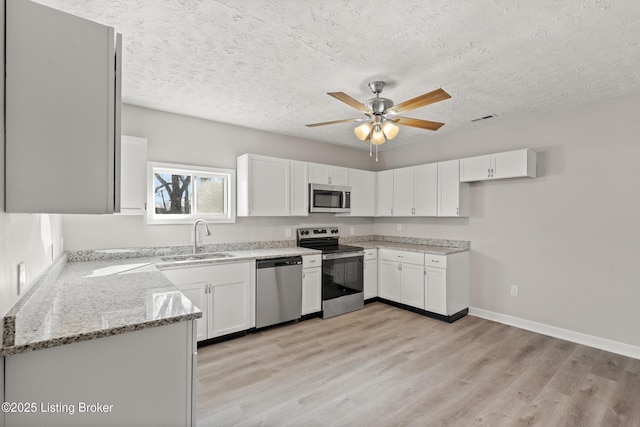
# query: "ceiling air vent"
[[490, 116]]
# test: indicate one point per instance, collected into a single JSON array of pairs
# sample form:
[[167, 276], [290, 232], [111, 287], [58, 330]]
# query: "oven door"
[[342, 274]]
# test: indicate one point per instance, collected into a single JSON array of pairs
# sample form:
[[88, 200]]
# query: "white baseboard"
[[553, 331]]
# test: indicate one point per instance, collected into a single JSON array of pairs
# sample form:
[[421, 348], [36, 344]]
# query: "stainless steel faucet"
[[195, 233]]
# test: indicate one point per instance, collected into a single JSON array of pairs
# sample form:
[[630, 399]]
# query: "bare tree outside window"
[[172, 193], [180, 194]]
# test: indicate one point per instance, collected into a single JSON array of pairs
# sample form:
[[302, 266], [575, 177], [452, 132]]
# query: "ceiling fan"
[[382, 115]]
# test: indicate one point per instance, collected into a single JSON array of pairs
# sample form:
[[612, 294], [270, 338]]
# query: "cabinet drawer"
[[370, 254], [435, 260], [401, 256], [310, 261]]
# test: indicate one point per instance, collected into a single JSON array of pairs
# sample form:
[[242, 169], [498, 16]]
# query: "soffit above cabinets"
[[267, 65]]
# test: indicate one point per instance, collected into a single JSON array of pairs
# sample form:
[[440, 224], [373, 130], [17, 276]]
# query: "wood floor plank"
[[384, 366]]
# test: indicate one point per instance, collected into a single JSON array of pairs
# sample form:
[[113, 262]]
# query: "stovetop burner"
[[325, 239]]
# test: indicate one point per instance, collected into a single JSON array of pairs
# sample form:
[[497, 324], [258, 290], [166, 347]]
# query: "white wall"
[[569, 239], [180, 139], [24, 238]]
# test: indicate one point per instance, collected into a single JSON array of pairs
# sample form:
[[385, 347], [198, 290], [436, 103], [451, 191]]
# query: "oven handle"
[[340, 255]]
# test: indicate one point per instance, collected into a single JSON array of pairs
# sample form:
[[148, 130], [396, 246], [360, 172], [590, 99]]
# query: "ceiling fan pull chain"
[[376, 153], [370, 149]]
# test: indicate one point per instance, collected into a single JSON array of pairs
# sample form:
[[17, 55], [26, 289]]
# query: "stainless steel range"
[[342, 270]]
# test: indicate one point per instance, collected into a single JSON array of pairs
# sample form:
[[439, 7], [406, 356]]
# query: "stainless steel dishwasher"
[[278, 290]]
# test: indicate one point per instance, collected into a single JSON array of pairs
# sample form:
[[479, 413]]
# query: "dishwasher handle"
[[278, 262]]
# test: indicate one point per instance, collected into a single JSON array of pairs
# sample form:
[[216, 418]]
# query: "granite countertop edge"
[[154, 264]]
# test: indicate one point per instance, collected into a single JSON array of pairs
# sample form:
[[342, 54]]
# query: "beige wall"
[[181, 139], [24, 238], [568, 239]]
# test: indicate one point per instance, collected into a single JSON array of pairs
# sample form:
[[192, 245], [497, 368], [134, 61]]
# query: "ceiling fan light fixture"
[[362, 131], [377, 138], [390, 130]]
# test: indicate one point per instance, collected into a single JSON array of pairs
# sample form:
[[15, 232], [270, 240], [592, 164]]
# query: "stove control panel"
[[310, 233]]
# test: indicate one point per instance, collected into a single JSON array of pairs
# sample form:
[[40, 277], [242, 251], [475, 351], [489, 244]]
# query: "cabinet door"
[[268, 186], [475, 168], [512, 164], [311, 290], [319, 174], [412, 289], [231, 302], [198, 294], [389, 277], [403, 192], [339, 176], [436, 290], [62, 112], [363, 192], [425, 194], [452, 195], [370, 278], [228, 311], [299, 188], [384, 193], [133, 173]]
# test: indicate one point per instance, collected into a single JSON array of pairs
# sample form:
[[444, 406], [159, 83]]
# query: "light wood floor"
[[384, 366]]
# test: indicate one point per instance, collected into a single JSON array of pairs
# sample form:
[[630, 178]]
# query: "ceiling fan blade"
[[417, 123], [341, 96], [335, 122], [421, 101]]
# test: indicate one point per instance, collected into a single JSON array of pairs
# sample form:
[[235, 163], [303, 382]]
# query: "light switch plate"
[[22, 278]]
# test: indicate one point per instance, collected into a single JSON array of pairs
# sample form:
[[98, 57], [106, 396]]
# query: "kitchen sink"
[[196, 257]]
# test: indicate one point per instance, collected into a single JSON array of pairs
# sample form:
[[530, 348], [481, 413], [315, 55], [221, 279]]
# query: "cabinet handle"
[[400, 256], [313, 260], [489, 173], [329, 180], [391, 211], [399, 267], [435, 260], [458, 211]]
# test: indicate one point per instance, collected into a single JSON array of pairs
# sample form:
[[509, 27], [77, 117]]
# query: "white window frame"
[[182, 169]]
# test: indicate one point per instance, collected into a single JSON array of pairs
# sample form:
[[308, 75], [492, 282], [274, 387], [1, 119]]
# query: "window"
[[180, 194]]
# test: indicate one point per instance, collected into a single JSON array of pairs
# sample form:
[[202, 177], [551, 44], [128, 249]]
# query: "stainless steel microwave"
[[329, 198]]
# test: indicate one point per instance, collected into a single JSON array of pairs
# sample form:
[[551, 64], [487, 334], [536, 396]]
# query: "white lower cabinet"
[[225, 293], [401, 277], [435, 283], [311, 284], [370, 277], [447, 283]]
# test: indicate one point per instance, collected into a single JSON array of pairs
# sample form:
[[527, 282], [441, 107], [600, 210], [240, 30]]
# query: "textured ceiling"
[[268, 64]]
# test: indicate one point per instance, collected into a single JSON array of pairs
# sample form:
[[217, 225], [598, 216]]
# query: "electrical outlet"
[[399, 227], [22, 278], [287, 232], [352, 230], [514, 290]]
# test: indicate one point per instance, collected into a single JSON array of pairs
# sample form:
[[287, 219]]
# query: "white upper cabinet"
[[363, 192], [403, 192], [453, 196], [415, 190], [263, 186], [509, 164], [62, 112], [384, 193], [133, 173], [426, 190], [327, 174], [299, 188]]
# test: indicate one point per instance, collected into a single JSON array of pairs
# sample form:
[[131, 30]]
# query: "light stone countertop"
[[108, 295], [94, 299], [411, 247]]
